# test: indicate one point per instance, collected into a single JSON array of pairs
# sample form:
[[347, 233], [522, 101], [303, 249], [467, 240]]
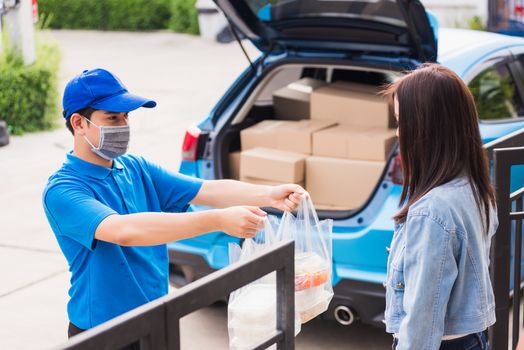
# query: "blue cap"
[[100, 89]]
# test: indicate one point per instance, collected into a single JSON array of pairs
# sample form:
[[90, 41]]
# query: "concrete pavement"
[[186, 75]]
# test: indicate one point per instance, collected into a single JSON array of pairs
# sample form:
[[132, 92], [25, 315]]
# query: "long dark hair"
[[439, 136]]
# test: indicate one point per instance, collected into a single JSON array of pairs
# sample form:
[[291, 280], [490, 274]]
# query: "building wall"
[[456, 13]]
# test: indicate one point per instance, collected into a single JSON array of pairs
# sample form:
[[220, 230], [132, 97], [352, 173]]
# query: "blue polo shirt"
[[108, 280]]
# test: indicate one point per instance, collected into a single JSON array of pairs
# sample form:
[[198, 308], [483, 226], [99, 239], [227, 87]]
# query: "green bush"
[[71, 14], [29, 98], [184, 18], [476, 23], [105, 14], [138, 14]]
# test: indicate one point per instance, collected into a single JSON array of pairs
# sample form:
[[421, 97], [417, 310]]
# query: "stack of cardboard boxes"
[[339, 153], [348, 159], [275, 152]]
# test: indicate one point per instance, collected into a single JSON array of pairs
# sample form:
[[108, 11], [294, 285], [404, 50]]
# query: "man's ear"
[[77, 122]]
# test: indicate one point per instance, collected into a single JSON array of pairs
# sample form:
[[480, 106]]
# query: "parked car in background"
[[365, 42]]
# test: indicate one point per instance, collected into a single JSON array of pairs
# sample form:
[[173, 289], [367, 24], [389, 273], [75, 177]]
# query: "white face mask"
[[113, 141]]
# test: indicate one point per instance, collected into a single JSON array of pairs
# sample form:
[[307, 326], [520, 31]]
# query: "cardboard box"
[[371, 144], [292, 101], [352, 104], [364, 88], [256, 181], [272, 165], [297, 136], [332, 142], [331, 207], [342, 183], [262, 134], [354, 143], [234, 165], [285, 135]]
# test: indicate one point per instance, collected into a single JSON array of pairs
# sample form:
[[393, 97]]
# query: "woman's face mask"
[[113, 141]]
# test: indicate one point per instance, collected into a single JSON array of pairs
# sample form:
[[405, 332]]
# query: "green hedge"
[[179, 15], [29, 99], [138, 14], [184, 18], [72, 14]]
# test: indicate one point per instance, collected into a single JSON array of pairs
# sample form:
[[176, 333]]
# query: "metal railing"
[[507, 244], [156, 325], [514, 139]]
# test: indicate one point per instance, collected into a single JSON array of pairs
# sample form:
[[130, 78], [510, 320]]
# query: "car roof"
[[460, 49]]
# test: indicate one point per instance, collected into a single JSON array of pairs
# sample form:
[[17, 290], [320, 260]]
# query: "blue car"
[[370, 42]]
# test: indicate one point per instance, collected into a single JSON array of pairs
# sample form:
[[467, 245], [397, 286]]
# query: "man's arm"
[[145, 229], [225, 193]]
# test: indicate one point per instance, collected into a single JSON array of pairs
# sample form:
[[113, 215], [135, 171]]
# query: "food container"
[[310, 271], [316, 309], [252, 316], [311, 275], [256, 305]]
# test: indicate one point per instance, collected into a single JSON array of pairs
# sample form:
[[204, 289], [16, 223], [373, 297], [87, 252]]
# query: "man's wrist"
[[265, 197], [215, 219]]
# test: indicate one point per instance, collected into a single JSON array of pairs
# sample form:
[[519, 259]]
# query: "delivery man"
[[113, 213]]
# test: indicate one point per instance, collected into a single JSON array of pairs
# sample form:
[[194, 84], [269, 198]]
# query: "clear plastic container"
[[313, 311], [252, 316], [246, 336], [245, 343], [311, 295], [307, 298], [310, 271], [255, 306]]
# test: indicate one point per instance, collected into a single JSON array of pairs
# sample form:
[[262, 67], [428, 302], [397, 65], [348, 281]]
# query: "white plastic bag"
[[313, 258], [252, 309]]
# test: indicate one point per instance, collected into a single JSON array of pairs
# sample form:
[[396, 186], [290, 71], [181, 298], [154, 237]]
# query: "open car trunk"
[[386, 27], [351, 133]]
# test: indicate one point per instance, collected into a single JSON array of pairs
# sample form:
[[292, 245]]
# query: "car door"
[[497, 86]]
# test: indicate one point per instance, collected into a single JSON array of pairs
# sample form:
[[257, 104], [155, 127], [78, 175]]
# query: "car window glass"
[[496, 94]]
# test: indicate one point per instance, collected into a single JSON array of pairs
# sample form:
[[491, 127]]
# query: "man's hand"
[[286, 197], [242, 222]]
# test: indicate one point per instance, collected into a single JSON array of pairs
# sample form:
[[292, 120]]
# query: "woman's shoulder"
[[444, 202], [446, 194]]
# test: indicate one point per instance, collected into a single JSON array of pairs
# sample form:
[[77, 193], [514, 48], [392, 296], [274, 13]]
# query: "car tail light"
[[190, 144], [34, 10], [519, 10], [396, 174]]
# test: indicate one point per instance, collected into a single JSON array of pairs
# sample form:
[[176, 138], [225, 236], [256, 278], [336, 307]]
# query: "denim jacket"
[[438, 281]]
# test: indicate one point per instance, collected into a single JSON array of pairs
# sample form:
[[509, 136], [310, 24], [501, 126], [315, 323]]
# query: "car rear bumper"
[[367, 301]]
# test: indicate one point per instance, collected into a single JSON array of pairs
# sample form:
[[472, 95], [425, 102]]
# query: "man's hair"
[[86, 112]]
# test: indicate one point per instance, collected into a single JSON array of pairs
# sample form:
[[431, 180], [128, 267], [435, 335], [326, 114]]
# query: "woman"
[[438, 294]]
